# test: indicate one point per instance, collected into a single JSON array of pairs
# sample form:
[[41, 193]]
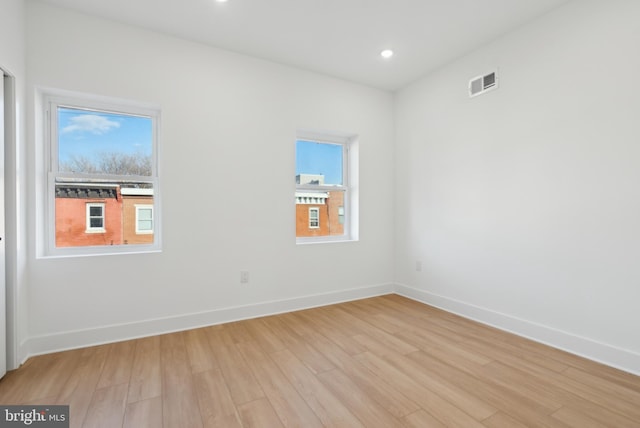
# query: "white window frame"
[[349, 186], [143, 207], [50, 100], [316, 219], [91, 229]]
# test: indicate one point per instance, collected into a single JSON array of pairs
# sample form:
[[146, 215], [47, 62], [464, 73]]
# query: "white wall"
[[523, 204], [228, 133], [12, 61]]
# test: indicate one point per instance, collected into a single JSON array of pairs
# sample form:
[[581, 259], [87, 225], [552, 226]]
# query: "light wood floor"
[[380, 362]]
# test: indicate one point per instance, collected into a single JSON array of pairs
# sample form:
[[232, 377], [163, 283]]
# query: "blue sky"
[[90, 133], [320, 158]]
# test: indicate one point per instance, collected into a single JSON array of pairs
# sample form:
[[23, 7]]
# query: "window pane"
[[117, 215], [145, 225], [320, 213], [319, 163], [95, 142], [144, 214]]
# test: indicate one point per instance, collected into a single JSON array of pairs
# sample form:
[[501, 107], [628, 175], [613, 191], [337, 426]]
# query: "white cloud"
[[90, 123]]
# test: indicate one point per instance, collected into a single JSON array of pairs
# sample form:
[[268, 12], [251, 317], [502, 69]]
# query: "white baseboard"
[[46, 344], [610, 355], [622, 359]]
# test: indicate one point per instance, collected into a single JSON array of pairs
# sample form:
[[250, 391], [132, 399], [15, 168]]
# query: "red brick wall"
[[302, 221], [71, 223], [336, 200], [329, 217]]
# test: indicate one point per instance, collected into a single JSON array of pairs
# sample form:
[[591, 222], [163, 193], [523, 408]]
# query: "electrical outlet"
[[244, 277], [418, 266]]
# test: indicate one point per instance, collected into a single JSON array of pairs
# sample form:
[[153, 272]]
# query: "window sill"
[[323, 240], [96, 251]]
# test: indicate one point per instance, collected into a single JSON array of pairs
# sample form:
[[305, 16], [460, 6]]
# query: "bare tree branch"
[[114, 163]]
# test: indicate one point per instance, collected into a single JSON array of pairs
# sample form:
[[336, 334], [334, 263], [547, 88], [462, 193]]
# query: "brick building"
[[319, 213], [137, 216], [88, 214], [95, 214]]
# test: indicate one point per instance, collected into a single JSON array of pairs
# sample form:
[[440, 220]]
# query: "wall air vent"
[[481, 84]]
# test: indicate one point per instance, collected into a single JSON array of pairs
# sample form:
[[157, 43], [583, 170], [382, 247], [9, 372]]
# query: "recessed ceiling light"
[[221, 1], [386, 54]]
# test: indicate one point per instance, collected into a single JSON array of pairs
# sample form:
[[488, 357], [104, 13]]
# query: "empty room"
[[304, 213]]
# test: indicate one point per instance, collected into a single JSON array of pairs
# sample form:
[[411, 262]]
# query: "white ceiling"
[[342, 38]]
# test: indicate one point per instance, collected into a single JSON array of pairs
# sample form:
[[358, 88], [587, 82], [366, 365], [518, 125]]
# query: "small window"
[[323, 193], [144, 219], [102, 162], [95, 218], [314, 218]]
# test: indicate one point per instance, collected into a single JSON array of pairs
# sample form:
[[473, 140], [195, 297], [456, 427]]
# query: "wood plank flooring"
[[380, 362]]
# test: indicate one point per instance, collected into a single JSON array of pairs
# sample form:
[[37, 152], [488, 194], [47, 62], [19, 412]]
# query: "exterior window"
[[144, 219], [314, 218], [95, 218], [102, 182], [323, 193]]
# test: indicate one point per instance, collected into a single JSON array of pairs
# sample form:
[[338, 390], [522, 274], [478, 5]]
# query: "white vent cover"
[[481, 84]]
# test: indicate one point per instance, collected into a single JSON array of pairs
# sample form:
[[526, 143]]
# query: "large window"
[[102, 178], [323, 193]]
